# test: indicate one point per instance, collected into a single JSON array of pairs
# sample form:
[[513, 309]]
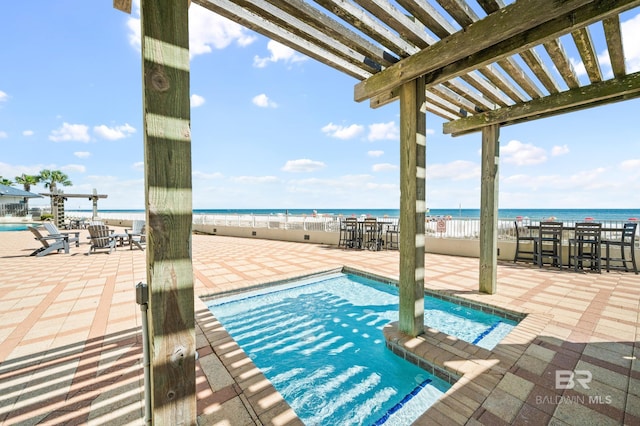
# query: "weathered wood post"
[[489, 209], [168, 198], [413, 126], [94, 199]]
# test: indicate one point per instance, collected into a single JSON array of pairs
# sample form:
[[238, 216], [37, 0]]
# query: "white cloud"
[[263, 101], [207, 31], [134, 32], [279, 52], [578, 67], [383, 131], [3, 135], [630, 164], [197, 100], [521, 154], [588, 179], [559, 150], [631, 39], [3, 96], [70, 132], [82, 154], [28, 133], [73, 168], [455, 170], [384, 167], [138, 165], [375, 153], [114, 133], [341, 132], [303, 165], [254, 179]]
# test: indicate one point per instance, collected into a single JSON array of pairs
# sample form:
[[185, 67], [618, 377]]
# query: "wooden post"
[[489, 209], [168, 198], [94, 200], [412, 206]]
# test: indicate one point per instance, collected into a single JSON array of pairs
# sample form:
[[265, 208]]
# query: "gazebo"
[[479, 66]]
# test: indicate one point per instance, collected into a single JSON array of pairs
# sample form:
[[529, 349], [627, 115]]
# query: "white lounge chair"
[[53, 230], [50, 243], [137, 234]]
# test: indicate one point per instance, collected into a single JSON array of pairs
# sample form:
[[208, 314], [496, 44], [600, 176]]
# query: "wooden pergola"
[[58, 198], [478, 66]]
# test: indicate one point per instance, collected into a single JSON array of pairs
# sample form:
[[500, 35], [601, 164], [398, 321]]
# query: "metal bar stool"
[[549, 244], [392, 237], [627, 239], [524, 255], [586, 245]]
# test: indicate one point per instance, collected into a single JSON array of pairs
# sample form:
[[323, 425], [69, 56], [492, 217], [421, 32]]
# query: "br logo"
[[566, 379]]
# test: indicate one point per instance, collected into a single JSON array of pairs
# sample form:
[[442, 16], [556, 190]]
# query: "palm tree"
[[5, 181], [26, 181], [51, 179]]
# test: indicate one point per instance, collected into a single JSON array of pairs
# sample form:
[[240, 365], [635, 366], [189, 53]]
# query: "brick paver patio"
[[70, 342]]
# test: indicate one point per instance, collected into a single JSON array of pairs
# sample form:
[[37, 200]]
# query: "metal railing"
[[443, 227]]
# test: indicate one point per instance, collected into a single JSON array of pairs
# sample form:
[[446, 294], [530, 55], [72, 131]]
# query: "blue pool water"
[[14, 226], [320, 343]]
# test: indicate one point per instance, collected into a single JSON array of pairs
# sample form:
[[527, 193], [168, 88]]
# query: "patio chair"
[[586, 246], [531, 241], [549, 244], [101, 238], [392, 237], [53, 230], [50, 243], [343, 237], [351, 233], [371, 234], [137, 235], [136, 227], [627, 240]]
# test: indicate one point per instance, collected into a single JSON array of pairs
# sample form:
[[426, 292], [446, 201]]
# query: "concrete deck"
[[70, 342]]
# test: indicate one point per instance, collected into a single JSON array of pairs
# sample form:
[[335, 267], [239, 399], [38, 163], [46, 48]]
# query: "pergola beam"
[[604, 92], [523, 25], [511, 21]]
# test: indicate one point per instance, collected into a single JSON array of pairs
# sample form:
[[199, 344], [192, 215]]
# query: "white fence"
[[444, 227]]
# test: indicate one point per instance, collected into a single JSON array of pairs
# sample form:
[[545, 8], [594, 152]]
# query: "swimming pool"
[[319, 341], [14, 226]]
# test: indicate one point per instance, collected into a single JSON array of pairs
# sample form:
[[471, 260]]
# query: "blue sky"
[[272, 128]]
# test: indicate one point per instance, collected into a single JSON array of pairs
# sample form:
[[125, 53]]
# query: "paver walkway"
[[70, 342]]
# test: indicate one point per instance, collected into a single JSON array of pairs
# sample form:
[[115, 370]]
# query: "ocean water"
[[534, 214]]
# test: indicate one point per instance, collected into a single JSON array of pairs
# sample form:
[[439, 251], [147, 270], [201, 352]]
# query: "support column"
[[489, 209], [94, 199], [413, 126], [168, 202]]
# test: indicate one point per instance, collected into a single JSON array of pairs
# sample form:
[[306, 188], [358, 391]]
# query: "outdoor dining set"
[[368, 233], [589, 245]]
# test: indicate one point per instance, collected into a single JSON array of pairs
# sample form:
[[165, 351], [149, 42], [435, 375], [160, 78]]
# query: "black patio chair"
[[586, 245], [549, 244], [529, 240], [627, 240]]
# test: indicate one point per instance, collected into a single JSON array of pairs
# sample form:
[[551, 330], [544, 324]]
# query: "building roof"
[[10, 191]]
